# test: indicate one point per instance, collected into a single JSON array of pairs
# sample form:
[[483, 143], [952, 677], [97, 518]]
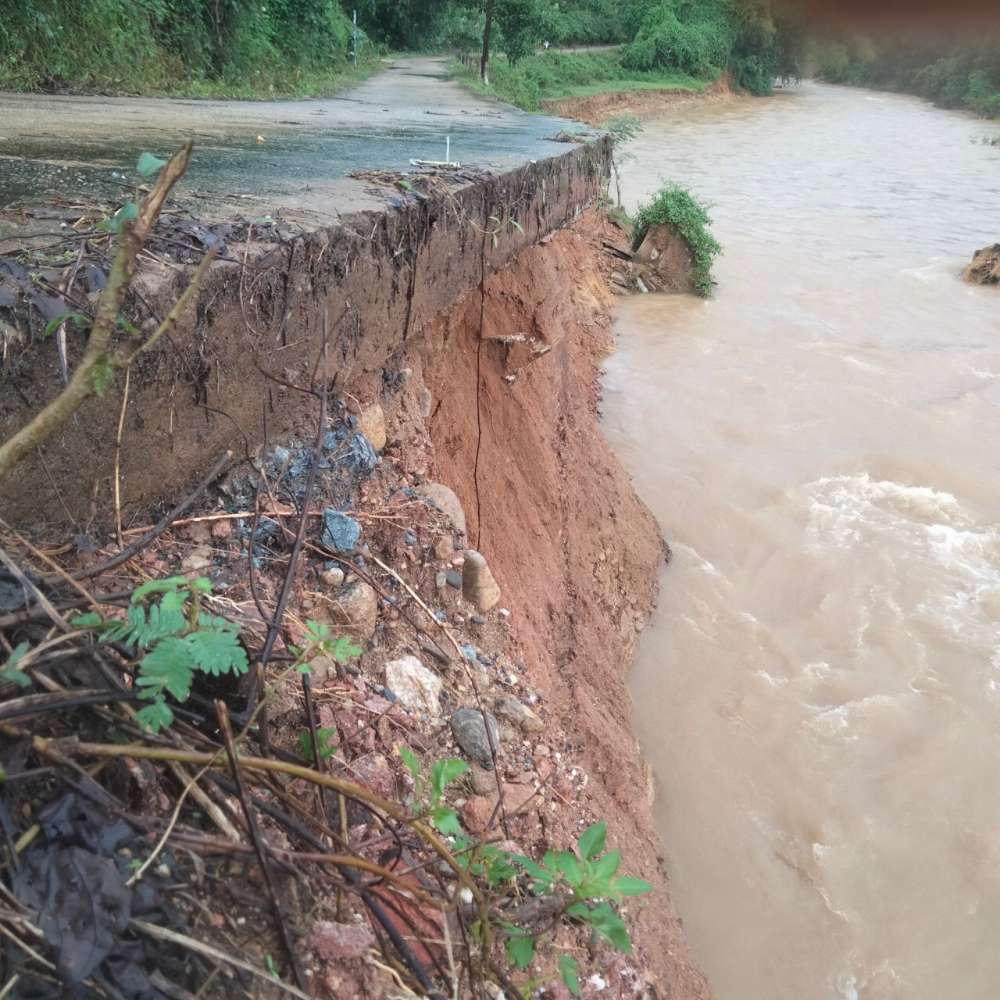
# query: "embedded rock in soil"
[[354, 610], [332, 578], [470, 733], [444, 547], [666, 260], [445, 500], [374, 773], [198, 558], [517, 712], [483, 782], [372, 423], [476, 814], [414, 686], [985, 267], [340, 532], [341, 941], [479, 587]]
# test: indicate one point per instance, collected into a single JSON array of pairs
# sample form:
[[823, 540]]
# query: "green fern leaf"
[[165, 618], [128, 630], [156, 716], [169, 666], [215, 648]]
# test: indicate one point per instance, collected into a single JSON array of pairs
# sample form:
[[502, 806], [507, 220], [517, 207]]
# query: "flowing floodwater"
[[820, 692]]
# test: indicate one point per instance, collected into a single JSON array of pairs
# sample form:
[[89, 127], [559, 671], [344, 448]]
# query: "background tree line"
[[955, 70], [240, 47]]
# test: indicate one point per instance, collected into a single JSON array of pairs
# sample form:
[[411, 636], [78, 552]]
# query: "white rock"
[[416, 687]]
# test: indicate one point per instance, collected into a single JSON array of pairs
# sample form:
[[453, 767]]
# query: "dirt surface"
[[379, 277], [595, 109], [496, 398], [262, 157], [575, 551], [661, 264]]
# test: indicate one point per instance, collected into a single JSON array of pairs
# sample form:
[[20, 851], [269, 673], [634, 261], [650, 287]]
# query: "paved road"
[[87, 146]]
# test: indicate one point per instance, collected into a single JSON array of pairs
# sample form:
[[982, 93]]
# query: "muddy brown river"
[[819, 694]]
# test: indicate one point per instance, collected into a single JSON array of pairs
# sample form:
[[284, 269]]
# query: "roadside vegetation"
[[662, 44], [676, 207], [549, 76], [197, 48], [951, 72], [205, 48]]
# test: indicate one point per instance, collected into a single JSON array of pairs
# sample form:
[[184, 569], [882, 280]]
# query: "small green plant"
[[319, 642], [580, 885], [583, 884], [676, 207], [270, 967], [323, 737], [443, 772], [174, 639], [621, 129], [11, 672]]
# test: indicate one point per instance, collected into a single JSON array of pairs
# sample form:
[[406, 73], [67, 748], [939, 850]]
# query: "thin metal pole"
[[355, 39]]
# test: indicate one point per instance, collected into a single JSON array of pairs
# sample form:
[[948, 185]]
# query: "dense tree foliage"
[[953, 71], [144, 45], [704, 37], [257, 46]]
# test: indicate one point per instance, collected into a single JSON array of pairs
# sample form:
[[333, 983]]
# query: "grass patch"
[[270, 83], [677, 207], [551, 76]]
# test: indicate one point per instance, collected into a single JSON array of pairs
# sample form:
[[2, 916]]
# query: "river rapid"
[[819, 693]]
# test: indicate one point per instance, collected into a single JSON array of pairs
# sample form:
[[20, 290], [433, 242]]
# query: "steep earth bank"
[[478, 341], [500, 403]]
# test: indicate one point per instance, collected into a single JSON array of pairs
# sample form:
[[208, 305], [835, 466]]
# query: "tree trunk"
[[484, 63]]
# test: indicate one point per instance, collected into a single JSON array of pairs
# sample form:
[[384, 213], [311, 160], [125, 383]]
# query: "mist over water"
[[820, 692]]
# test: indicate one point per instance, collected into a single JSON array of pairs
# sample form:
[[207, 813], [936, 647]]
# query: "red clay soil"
[[575, 551], [595, 109]]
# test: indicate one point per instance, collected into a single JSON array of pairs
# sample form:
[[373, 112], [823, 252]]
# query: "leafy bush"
[[705, 37], [676, 207]]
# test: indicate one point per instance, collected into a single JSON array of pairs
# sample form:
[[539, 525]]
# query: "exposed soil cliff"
[[484, 380], [514, 425]]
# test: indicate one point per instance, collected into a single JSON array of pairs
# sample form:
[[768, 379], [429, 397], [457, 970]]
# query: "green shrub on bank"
[[676, 207], [704, 38]]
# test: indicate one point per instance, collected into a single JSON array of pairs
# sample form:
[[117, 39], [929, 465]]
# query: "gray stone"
[[517, 712], [446, 501], [414, 686], [470, 733], [340, 532], [483, 782], [453, 578], [479, 587], [441, 580]]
